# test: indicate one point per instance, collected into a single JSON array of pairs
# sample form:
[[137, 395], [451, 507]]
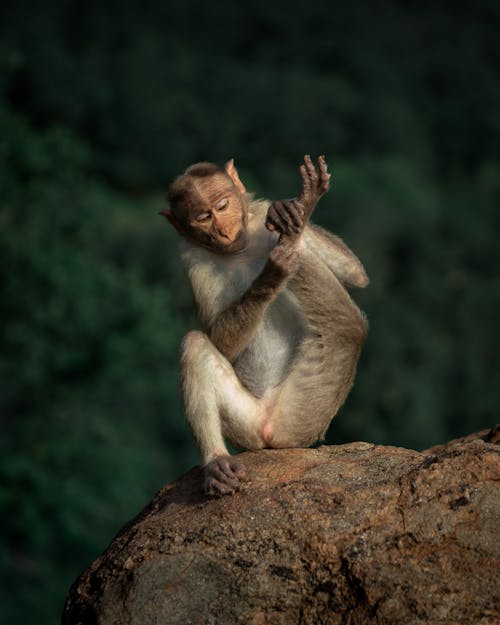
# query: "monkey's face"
[[216, 214]]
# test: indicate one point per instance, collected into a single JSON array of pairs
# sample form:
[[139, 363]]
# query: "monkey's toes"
[[214, 488], [238, 469], [223, 476]]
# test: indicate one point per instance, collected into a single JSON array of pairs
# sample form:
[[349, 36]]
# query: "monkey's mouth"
[[237, 244]]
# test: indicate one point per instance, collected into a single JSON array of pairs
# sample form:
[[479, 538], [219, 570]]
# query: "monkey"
[[280, 339]]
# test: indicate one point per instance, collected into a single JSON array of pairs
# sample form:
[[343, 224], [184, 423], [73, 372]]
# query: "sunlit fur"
[[280, 382]]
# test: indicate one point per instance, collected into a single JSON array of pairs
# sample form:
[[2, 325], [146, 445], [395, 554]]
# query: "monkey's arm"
[[233, 328], [291, 217], [336, 255]]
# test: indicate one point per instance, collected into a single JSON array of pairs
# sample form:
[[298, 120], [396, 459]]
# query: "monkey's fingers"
[[309, 193], [299, 215], [285, 221], [306, 191], [311, 170], [306, 180], [324, 176], [280, 218], [273, 223], [295, 213], [292, 216]]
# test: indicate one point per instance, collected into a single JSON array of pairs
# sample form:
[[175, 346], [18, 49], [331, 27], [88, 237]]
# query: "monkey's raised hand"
[[289, 217], [223, 476], [314, 183]]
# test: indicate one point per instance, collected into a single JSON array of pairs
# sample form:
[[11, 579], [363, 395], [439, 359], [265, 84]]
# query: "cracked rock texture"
[[349, 534]]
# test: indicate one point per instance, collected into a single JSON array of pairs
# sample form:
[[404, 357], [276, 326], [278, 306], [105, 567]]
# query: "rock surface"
[[349, 534]]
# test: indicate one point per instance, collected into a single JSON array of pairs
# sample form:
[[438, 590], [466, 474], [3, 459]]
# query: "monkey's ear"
[[232, 172], [172, 219]]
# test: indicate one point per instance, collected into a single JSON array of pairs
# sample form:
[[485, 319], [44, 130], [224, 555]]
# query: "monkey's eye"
[[203, 217], [221, 204]]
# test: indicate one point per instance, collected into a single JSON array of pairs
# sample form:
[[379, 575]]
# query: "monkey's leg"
[[218, 405], [336, 255], [324, 369]]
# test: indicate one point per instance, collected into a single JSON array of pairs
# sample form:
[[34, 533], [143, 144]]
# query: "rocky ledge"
[[350, 534]]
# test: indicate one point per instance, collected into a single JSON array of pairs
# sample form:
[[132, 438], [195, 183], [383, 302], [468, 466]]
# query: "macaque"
[[281, 336]]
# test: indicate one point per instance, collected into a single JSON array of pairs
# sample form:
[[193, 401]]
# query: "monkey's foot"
[[223, 476]]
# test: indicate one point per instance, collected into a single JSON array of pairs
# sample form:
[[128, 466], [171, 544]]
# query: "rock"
[[349, 534]]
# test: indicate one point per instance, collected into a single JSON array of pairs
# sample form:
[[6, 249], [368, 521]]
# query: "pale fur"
[[284, 388]]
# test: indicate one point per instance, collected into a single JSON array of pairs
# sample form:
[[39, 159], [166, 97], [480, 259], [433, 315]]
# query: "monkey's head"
[[209, 208]]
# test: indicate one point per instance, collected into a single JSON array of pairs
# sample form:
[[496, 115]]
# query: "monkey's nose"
[[224, 234]]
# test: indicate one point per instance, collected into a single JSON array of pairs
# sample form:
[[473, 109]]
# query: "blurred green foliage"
[[101, 104]]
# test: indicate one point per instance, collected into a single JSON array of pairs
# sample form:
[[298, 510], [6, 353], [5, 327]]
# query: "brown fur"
[[182, 186], [281, 337]]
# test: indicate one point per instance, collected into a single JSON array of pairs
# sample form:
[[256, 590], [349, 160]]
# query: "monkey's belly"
[[267, 360]]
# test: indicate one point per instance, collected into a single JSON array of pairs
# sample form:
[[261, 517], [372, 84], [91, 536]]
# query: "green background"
[[101, 104]]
